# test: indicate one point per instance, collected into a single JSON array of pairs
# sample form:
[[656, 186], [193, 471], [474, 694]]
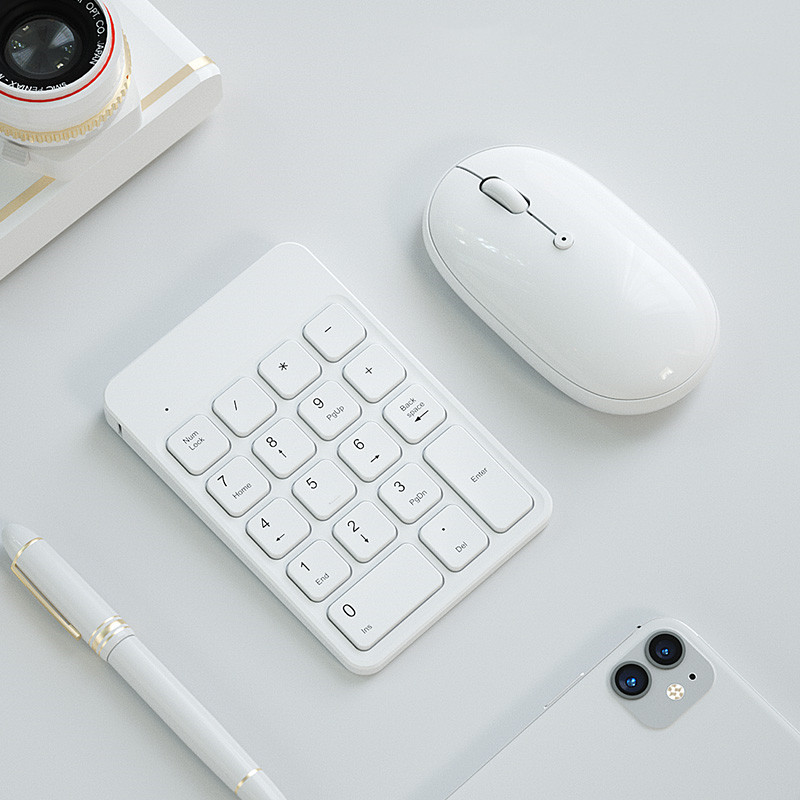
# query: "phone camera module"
[[42, 48], [665, 650], [631, 680]]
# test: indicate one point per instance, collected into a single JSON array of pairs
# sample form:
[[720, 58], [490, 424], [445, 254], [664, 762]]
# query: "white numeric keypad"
[[345, 476]]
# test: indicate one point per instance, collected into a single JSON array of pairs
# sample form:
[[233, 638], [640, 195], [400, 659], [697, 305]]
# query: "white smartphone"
[[663, 715]]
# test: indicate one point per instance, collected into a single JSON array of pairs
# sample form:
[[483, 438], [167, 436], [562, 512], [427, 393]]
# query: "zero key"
[[384, 597]]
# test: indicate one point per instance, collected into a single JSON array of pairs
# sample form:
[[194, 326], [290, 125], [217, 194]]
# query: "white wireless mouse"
[[572, 279]]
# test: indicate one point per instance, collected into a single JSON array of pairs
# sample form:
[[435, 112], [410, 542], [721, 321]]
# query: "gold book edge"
[[40, 185], [7, 210]]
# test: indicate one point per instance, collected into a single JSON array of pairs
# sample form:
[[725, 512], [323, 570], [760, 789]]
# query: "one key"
[[329, 410], [238, 486], [334, 332], [414, 414], [384, 597], [374, 373], [496, 497], [364, 531], [318, 570], [289, 369], [284, 448], [324, 489], [243, 407], [369, 451], [198, 444], [278, 529], [410, 493], [454, 538]]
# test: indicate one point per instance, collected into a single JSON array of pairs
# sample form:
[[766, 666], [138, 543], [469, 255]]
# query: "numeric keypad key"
[[369, 452], [374, 373], [284, 448], [414, 414], [364, 531], [329, 410], [324, 489], [278, 528], [318, 570], [410, 493], [334, 332], [289, 369], [238, 486], [198, 444]]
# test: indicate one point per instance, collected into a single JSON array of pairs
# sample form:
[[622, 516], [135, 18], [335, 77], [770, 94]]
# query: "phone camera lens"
[[665, 650], [43, 47], [631, 680]]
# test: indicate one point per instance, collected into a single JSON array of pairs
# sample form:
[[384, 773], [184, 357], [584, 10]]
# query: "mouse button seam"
[[471, 172]]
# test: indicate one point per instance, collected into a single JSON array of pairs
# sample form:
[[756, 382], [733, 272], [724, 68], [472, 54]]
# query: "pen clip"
[[31, 587]]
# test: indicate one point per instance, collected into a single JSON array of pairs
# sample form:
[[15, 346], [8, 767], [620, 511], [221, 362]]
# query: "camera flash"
[[675, 691]]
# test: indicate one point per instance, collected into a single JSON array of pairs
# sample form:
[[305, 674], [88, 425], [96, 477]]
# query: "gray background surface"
[[337, 121]]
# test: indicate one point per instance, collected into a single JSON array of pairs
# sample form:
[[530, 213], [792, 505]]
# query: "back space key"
[[384, 597]]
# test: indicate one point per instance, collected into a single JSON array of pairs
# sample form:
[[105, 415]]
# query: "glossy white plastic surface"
[[729, 745], [618, 320]]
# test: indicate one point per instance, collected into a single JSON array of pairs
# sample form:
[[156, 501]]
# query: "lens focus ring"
[[665, 650], [631, 680]]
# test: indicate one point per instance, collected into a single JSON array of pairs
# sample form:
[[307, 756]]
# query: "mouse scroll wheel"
[[505, 194]]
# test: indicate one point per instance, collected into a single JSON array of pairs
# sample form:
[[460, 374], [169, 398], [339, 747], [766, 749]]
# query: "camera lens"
[[46, 44], [631, 680], [65, 69], [665, 650], [42, 48]]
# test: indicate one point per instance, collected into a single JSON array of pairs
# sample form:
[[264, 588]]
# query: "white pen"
[[87, 616]]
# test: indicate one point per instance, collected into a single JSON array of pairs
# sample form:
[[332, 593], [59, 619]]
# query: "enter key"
[[477, 477]]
